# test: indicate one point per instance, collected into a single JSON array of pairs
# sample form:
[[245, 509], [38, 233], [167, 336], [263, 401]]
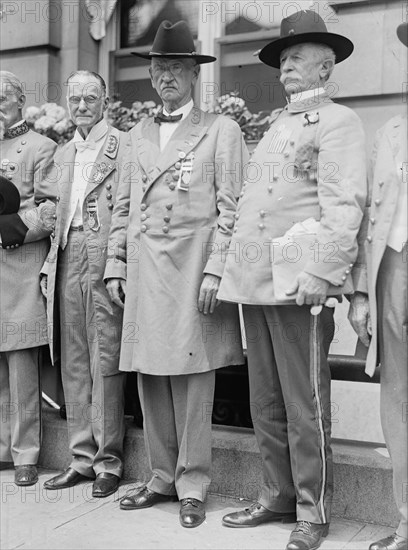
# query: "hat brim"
[[402, 33], [271, 53], [9, 197], [197, 57]]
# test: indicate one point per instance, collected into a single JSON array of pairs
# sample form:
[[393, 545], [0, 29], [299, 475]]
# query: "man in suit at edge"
[[172, 221], [26, 159], [378, 310], [309, 166], [86, 325]]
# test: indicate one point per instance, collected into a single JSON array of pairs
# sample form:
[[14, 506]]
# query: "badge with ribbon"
[[185, 172], [92, 211], [279, 139]]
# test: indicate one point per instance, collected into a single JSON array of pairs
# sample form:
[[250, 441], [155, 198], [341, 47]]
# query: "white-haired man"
[[301, 207], [25, 227]]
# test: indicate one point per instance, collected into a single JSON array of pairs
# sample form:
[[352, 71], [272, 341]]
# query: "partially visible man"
[[26, 159], [301, 209], [378, 310], [171, 227], [87, 326]]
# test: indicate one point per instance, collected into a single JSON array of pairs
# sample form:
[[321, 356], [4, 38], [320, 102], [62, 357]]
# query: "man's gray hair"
[[89, 73], [325, 53], [15, 84]]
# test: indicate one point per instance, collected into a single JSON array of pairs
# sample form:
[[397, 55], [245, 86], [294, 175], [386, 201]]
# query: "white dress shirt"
[[167, 129], [87, 151]]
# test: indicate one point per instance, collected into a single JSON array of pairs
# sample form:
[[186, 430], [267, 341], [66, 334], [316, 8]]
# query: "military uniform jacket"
[[102, 186], [172, 223], [27, 161], [386, 176], [310, 164]]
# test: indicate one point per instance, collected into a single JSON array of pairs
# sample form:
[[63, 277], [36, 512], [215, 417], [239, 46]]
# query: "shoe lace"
[[253, 507], [303, 527], [190, 502]]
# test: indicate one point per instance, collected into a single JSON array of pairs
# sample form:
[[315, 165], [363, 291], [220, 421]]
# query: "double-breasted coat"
[[172, 223], [102, 186], [27, 160], [310, 164], [386, 175]]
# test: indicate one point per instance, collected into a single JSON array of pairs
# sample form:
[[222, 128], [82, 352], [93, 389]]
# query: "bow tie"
[[84, 145], [161, 117]]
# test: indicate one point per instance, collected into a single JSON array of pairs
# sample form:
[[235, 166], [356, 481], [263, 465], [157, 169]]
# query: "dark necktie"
[[161, 117]]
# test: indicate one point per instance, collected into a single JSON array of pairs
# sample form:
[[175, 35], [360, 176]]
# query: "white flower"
[[53, 110], [31, 114], [44, 123], [61, 126]]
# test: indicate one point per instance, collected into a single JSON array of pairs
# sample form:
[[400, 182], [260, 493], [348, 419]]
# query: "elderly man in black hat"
[[378, 309], [171, 226], [27, 209], [301, 207]]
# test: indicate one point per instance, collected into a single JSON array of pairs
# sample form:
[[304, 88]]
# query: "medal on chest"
[[92, 211], [279, 139], [185, 172]]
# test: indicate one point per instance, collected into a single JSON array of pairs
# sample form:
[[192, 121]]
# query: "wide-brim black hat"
[[300, 27], [9, 197], [402, 32], [175, 41]]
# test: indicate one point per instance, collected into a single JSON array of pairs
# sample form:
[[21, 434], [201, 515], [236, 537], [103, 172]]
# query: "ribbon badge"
[[185, 172], [92, 211]]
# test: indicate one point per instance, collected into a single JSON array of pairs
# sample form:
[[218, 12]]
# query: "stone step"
[[362, 475]]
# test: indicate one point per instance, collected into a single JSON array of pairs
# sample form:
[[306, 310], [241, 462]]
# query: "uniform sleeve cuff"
[[12, 230]]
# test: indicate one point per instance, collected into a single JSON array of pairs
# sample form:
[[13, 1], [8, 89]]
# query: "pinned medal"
[[92, 211], [112, 146], [279, 139], [185, 172]]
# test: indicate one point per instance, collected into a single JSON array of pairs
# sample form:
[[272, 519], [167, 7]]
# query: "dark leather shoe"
[[393, 542], [143, 498], [307, 536], [25, 475], [6, 465], [192, 512], [255, 515], [105, 484], [69, 478]]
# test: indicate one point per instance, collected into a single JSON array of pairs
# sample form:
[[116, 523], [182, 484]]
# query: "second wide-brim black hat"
[[402, 32], [300, 27], [9, 197], [175, 41]]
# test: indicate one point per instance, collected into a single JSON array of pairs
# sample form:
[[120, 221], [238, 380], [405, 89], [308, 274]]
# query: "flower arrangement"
[[50, 120]]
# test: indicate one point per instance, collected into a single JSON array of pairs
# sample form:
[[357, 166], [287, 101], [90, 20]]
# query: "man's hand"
[[207, 300], [359, 317], [43, 285], [117, 291], [311, 290]]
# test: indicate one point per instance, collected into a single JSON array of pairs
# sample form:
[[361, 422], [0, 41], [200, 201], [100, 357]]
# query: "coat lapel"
[[185, 138], [65, 162]]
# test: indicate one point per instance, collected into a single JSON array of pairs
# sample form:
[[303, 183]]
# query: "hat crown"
[[302, 22], [173, 38]]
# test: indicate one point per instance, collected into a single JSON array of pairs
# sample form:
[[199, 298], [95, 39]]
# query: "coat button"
[[110, 206], [270, 189], [351, 265], [165, 229], [176, 176], [343, 278], [143, 228], [347, 272], [261, 226], [143, 206], [23, 142], [166, 219], [169, 206], [144, 188], [108, 186], [182, 155], [242, 194], [144, 177], [19, 150], [143, 217], [369, 238], [275, 178], [372, 221], [177, 166], [235, 229], [380, 183], [109, 196], [377, 202], [262, 213], [292, 142], [172, 186], [236, 216]]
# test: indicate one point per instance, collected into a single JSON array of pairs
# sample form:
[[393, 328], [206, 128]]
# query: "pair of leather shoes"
[[307, 535], [105, 484], [69, 478], [6, 465], [192, 512], [255, 515], [393, 542], [143, 498], [25, 475]]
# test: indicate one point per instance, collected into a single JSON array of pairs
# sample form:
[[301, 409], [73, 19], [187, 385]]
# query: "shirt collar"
[[97, 132], [306, 94], [184, 110], [16, 124]]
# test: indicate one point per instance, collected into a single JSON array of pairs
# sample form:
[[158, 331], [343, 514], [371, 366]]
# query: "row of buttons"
[[144, 217], [377, 203]]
